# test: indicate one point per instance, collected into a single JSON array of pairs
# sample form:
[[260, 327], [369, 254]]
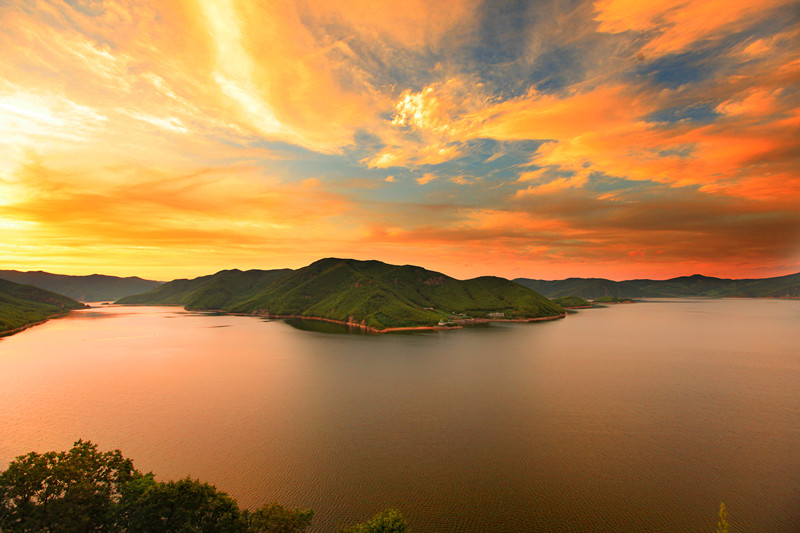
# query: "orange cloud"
[[230, 211], [428, 126], [677, 25], [414, 23], [579, 180], [543, 116]]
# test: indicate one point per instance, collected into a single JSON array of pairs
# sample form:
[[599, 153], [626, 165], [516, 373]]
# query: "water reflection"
[[637, 417]]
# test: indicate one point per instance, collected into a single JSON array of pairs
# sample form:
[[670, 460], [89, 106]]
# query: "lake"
[[634, 417]]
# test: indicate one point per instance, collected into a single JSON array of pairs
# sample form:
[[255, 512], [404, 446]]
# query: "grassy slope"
[[222, 291], [383, 296], [21, 305], [92, 288], [207, 292], [677, 287]]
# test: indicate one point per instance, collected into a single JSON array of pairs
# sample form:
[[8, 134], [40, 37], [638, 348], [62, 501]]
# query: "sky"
[[542, 139]]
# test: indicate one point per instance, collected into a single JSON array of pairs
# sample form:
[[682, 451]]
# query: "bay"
[[637, 417]]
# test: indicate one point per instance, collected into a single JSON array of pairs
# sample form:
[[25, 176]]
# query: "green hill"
[[216, 291], [685, 286], [23, 305], [568, 302], [380, 296], [94, 288], [367, 293]]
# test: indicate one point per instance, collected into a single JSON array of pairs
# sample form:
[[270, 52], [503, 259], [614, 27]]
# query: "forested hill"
[[368, 293], [217, 291], [23, 305], [686, 286], [93, 288]]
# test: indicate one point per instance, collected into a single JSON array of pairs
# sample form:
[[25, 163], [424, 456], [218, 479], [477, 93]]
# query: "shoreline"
[[9, 332], [386, 330], [406, 328], [459, 325]]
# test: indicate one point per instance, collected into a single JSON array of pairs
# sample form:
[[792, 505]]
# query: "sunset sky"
[[546, 139]]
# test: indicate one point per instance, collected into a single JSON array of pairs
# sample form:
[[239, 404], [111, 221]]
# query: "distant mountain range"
[[24, 305], [686, 286], [216, 291], [370, 294], [94, 288]]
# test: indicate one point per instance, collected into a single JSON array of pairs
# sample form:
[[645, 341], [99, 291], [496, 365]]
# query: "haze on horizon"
[[547, 139]]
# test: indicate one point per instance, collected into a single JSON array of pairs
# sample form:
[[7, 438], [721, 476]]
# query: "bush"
[[87, 490]]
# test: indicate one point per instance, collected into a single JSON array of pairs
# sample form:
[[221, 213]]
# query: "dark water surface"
[[639, 417]]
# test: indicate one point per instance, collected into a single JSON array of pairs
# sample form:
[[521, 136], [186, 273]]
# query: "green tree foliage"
[[84, 490], [177, 506], [388, 521], [65, 491], [722, 525], [274, 518]]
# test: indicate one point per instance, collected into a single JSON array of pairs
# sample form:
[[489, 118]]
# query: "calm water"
[[630, 418]]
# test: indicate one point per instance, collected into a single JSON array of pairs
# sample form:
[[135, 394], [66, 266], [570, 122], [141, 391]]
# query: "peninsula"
[[22, 306]]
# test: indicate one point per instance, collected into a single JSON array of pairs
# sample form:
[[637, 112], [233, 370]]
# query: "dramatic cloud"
[[538, 139]]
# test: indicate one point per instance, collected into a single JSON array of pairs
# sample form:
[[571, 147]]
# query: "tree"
[[68, 491], [722, 525], [176, 506], [274, 518], [388, 521], [86, 490]]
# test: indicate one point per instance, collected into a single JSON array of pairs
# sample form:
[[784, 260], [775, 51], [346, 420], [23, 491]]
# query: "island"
[[22, 306], [371, 295]]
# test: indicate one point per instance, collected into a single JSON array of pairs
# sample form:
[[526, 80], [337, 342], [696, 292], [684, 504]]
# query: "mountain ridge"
[[89, 288], [787, 286]]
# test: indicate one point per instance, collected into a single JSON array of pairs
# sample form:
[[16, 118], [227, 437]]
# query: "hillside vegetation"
[[94, 288], [85, 489], [685, 286], [367, 293], [216, 291], [22, 305]]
